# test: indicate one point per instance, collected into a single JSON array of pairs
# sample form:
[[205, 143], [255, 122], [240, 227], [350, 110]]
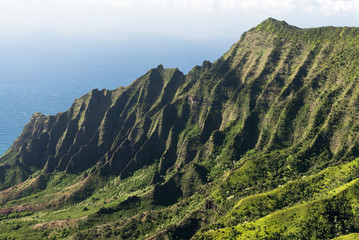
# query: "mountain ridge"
[[275, 114]]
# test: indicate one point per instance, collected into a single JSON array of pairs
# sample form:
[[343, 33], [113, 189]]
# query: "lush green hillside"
[[261, 144]]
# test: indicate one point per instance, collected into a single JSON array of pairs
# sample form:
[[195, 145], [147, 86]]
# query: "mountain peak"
[[160, 67], [271, 20], [274, 24]]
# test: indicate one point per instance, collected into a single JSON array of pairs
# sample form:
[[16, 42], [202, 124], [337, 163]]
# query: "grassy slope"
[[291, 210]]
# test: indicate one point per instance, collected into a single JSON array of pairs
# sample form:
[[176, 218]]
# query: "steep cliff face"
[[279, 86], [281, 103], [107, 128]]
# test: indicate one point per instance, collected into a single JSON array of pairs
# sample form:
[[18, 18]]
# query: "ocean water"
[[20, 99], [48, 76]]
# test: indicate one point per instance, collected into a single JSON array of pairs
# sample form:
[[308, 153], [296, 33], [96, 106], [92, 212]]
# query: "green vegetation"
[[261, 144]]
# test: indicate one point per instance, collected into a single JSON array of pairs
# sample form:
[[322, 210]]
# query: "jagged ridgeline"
[[261, 144]]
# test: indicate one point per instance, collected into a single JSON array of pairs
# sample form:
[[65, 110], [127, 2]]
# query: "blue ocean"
[[47, 76]]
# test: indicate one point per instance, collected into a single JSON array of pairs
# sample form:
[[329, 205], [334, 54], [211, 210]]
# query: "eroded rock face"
[[277, 87], [119, 131]]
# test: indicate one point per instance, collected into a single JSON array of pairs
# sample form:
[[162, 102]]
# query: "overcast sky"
[[38, 36], [191, 19]]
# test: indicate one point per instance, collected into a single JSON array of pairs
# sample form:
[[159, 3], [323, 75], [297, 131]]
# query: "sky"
[[191, 19], [130, 36]]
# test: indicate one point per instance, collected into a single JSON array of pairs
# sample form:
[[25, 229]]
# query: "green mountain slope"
[[261, 144]]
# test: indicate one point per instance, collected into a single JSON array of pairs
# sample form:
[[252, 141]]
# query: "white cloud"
[[269, 6], [171, 17], [330, 7]]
